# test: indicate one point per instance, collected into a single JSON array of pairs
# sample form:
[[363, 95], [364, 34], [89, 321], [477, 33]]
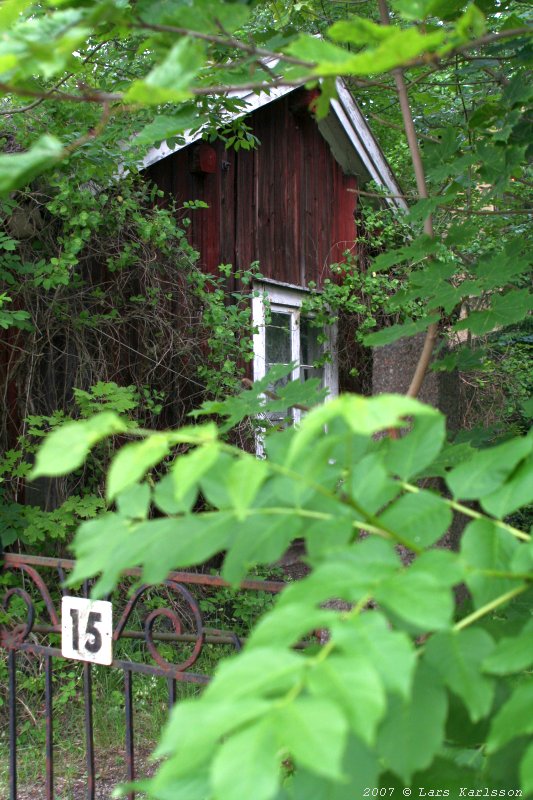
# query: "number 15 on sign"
[[87, 630]]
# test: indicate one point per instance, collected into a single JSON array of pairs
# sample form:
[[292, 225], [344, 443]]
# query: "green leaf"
[[462, 359], [195, 728], [391, 652], [360, 766], [453, 774], [188, 469], [248, 764], [164, 127], [518, 91], [485, 546], [417, 250], [515, 493], [192, 787], [245, 478], [395, 332], [286, 624], [259, 540], [314, 733], [171, 79], [165, 497], [498, 164], [471, 24], [358, 30], [328, 92], [419, 519], [350, 574], [213, 481], [526, 771], [396, 48], [487, 469], [134, 460], [110, 544], [457, 657], [95, 545], [134, 501], [353, 684], [194, 434], [440, 157], [512, 654], [370, 485], [67, 447], [505, 309], [324, 536], [260, 672], [418, 596], [207, 16], [413, 9], [450, 456], [364, 415], [18, 169], [423, 208], [514, 719], [413, 730], [415, 449], [494, 270], [10, 11], [443, 563]]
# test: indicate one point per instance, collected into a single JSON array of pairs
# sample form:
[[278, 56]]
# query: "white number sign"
[[87, 630]]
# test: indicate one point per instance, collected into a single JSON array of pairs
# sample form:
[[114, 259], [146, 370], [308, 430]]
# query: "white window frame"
[[289, 300]]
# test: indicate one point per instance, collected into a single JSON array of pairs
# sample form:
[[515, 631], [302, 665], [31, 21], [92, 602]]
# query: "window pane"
[[278, 339], [310, 349]]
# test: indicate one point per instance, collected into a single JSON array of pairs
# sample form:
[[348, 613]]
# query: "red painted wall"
[[285, 204]]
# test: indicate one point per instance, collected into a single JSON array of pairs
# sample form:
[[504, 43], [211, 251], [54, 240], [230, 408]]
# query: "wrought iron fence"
[[31, 636]]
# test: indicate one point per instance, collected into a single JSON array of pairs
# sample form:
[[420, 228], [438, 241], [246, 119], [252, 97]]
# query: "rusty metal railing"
[[182, 610]]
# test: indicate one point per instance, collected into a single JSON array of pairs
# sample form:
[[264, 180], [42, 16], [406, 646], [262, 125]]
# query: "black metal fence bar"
[[30, 637], [49, 721], [89, 733], [171, 693], [128, 705], [12, 669], [216, 638]]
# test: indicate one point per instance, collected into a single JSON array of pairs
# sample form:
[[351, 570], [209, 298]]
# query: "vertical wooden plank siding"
[[286, 204], [246, 199]]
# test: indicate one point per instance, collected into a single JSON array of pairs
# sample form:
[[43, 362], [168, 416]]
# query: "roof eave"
[[347, 114]]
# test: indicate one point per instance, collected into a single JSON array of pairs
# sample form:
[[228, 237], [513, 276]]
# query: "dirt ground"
[[110, 771]]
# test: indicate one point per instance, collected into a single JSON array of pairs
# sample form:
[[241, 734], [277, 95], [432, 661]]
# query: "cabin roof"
[[345, 129]]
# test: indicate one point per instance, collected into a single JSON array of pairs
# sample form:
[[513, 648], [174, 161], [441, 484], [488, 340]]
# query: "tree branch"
[[399, 127], [432, 331], [224, 41], [93, 96], [51, 91]]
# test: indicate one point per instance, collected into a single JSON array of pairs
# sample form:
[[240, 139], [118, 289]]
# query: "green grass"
[[150, 704], [221, 608]]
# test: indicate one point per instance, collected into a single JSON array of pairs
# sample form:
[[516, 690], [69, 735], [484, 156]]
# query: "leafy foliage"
[[454, 688], [399, 663]]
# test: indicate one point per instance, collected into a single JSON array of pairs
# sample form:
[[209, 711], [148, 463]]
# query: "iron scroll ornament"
[[173, 616], [15, 636]]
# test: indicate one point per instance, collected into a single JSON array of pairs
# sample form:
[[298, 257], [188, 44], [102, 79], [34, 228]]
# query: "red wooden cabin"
[[289, 204]]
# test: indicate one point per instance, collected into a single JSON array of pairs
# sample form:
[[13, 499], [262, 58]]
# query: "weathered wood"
[[287, 204]]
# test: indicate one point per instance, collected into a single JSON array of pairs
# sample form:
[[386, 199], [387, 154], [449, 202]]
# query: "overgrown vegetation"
[[410, 688], [117, 315]]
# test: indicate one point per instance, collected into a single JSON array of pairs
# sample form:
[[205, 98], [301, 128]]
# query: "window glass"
[[278, 346], [278, 339], [310, 348], [310, 351], [284, 336]]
